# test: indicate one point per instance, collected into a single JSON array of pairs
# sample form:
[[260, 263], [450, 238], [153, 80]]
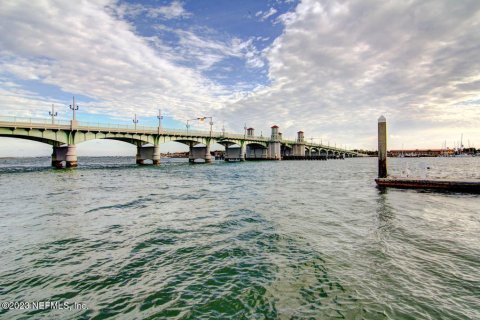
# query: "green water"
[[255, 240]]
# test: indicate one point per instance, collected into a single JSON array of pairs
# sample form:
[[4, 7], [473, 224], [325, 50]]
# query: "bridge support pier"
[[208, 156], [138, 158], [56, 163], [71, 156], [64, 153], [191, 157], [235, 153], [200, 153], [156, 155], [148, 153]]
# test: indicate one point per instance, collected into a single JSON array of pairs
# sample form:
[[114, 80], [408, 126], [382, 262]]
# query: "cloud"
[[97, 54], [334, 69], [339, 65], [203, 48], [81, 48], [173, 11], [265, 15]]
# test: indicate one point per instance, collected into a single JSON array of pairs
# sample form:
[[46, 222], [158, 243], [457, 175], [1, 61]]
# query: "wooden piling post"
[[382, 147]]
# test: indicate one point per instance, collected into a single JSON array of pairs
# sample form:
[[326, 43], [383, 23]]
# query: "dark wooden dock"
[[463, 185]]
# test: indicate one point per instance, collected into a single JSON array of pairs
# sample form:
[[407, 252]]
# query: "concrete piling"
[[382, 147]]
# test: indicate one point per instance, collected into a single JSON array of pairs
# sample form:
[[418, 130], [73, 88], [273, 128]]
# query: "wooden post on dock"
[[461, 185], [382, 147]]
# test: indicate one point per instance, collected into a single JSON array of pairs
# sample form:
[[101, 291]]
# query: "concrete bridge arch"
[[51, 137], [36, 139], [135, 139]]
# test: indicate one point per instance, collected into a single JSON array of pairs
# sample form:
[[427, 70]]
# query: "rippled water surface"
[[254, 240]]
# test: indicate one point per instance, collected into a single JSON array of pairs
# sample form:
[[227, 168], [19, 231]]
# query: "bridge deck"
[[46, 124]]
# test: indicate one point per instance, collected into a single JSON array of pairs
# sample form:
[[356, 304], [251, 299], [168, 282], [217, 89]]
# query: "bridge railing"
[[116, 126], [47, 122], [29, 120], [133, 128]]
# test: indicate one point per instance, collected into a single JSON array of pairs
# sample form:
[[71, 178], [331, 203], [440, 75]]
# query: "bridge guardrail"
[[47, 122], [29, 120]]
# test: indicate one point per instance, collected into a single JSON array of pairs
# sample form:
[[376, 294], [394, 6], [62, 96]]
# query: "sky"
[[328, 68]]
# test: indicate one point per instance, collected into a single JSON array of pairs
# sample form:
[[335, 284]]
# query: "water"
[[255, 240]]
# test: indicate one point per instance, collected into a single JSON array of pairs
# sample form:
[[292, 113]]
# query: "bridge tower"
[[274, 145], [299, 147]]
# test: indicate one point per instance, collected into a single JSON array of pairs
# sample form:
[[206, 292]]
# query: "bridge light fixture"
[[160, 118], [135, 121], [190, 120], [200, 119], [210, 123], [73, 107], [53, 114]]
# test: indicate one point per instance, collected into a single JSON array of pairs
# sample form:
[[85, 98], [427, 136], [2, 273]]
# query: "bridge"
[[63, 136]]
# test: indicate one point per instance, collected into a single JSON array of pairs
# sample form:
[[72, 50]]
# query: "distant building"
[[421, 153]]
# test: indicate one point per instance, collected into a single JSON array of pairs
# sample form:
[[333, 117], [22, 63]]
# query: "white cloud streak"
[[265, 15], [174, 10], [206, 52]]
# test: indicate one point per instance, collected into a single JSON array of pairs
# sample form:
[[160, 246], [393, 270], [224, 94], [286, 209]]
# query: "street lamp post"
[[244, 130], [159, 117], [211, 123], [201, 119], [74, 108], [135, 121], [53, 114]]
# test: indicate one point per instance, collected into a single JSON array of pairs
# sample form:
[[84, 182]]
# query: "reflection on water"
[[262, 240]]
